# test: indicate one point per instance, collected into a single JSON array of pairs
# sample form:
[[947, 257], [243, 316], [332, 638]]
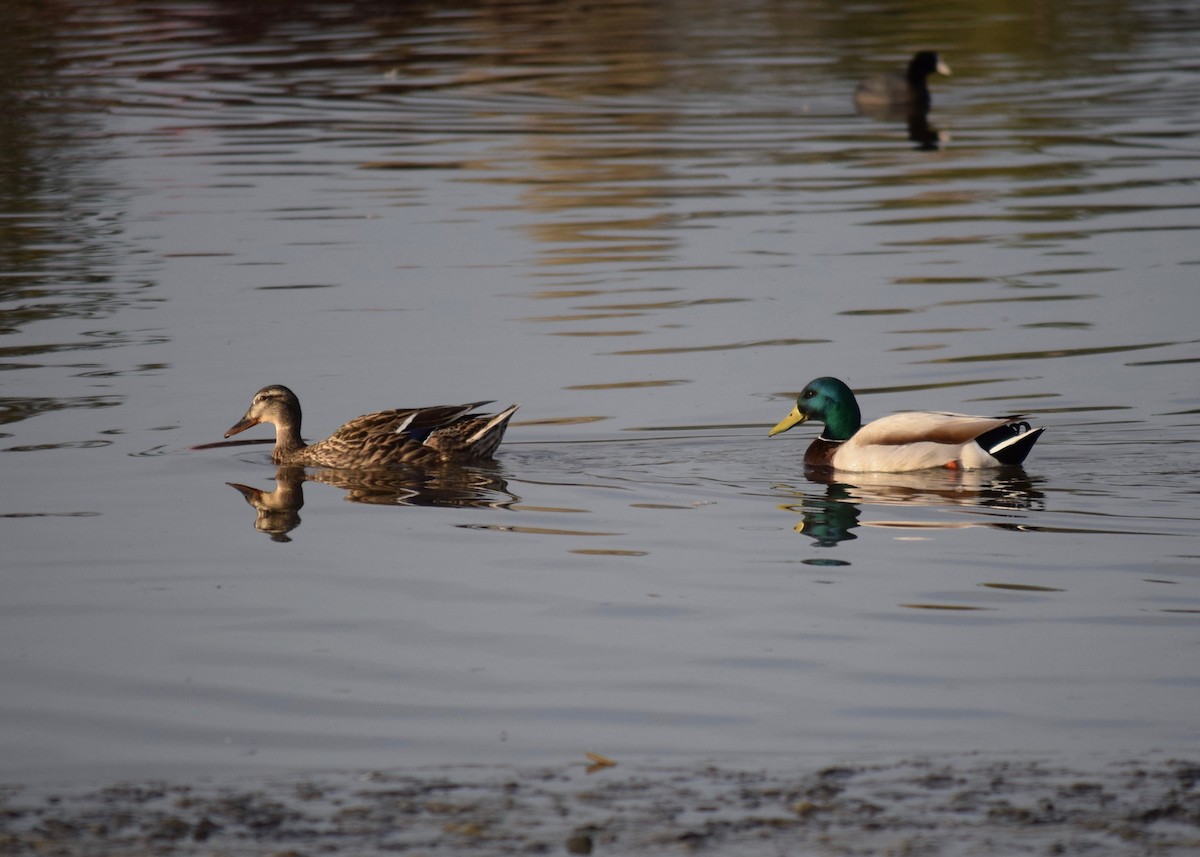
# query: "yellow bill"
[[792, 419]]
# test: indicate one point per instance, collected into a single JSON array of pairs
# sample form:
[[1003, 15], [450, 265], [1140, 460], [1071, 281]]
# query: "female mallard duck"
[[896, 91], [913, 440], [413, 436]]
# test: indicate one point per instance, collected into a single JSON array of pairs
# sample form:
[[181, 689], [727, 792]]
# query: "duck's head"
[[925, 63], [274, 404], [828, 401]]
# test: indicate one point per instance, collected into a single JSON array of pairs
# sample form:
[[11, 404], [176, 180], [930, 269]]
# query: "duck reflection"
[[277, 512], [904, 96], [829, 517], [921, 131]]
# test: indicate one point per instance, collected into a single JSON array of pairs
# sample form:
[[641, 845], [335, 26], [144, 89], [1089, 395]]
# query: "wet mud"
[[912, 807]]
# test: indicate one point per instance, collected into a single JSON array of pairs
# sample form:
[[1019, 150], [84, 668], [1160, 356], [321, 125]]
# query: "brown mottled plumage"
[[406, 436]]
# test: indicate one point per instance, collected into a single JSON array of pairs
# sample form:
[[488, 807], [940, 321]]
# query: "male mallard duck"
[[895, 90], [414, 436], [912, 440]]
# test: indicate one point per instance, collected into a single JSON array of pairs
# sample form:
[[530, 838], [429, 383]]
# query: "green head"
[[828, 401]]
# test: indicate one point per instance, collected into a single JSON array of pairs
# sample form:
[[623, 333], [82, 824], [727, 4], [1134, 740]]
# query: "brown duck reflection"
[[278, 511], [830, 517]]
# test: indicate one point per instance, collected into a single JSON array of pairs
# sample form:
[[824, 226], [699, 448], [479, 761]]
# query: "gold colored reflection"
[[952, 607], [628, 385], [1022, 587], [564, 421], [727, 346], [583, 316], [584, 333], [277, 511], [601, 552], [1043, 355], [536, 531]]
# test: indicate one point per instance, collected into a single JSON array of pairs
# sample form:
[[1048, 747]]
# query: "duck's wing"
[[414, 423], [472, 438], [917, 440], [926, 427]]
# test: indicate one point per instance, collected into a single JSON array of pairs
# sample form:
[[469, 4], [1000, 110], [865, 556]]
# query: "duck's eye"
[[808, 394]]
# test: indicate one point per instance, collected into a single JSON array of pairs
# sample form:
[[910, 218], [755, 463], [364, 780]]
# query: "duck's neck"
[[287, 440], [843, 422]]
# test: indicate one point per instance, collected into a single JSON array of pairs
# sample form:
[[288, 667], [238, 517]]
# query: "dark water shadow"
[[277, 512], [921, 131]]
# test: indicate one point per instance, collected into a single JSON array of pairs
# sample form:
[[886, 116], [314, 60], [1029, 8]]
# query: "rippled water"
[[651, 226]]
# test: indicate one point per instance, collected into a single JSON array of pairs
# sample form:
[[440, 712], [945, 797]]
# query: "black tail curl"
[[1010, 444]]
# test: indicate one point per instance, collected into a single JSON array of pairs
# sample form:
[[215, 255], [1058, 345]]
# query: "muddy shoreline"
[[916, 806]]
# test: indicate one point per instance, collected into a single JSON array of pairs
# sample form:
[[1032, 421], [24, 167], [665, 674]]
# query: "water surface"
[[650, 226]]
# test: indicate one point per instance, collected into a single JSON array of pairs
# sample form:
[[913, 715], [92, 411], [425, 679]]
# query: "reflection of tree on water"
[[829, 517], [278, 511]]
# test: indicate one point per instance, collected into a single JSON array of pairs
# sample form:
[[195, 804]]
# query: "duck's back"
[[916, 440], [410, 436], [885, 90], [915, 426]]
